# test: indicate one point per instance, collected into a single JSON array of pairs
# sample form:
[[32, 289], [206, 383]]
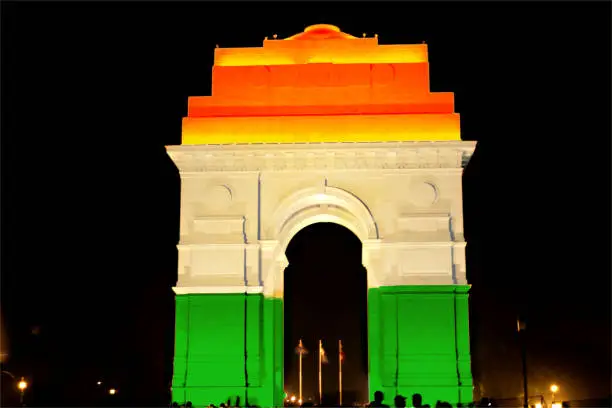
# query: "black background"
[[92, 92]]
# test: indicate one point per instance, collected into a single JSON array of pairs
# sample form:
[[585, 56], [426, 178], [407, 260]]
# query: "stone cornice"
[[187, 290], [321, 156]]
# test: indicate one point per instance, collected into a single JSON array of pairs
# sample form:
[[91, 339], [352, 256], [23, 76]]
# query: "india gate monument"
[[320, 127]]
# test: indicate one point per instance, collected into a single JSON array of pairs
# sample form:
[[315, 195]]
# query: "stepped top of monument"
[[321, 85], [321, 43], [322, 32]]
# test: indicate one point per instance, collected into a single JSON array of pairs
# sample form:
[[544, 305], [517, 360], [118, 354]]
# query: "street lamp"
[[520, 327], [554, 388], [22, 385], [112, 391]]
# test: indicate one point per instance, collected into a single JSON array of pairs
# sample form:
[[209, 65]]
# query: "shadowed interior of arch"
[[325, 297]]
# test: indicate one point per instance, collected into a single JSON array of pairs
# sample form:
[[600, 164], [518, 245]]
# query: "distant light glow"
[[112, 391], [293, 398], [22, 385], [554, 388], [538, 405], [556, 405]]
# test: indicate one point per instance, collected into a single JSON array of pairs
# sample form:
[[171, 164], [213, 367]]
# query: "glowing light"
[[112, 391], [364, 50], [22, 385], [556, 405], [318, 86], [332, 87], [538, 405], [321, 28], [99, 383], [300, 401], [321, 129], [554, 388]]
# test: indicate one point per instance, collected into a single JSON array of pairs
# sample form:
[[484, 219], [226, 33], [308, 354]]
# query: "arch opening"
[[325, 298]]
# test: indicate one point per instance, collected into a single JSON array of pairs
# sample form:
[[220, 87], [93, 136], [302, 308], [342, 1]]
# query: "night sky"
[[92, 92]]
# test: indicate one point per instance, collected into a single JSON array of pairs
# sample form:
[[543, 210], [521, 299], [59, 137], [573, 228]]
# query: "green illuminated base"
[[418, 343], [209, 358]]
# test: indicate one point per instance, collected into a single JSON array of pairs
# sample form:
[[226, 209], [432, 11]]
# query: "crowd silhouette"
[[399, 401]]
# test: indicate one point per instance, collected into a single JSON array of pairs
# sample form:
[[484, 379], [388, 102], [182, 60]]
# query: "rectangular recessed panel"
[[218, 260], [426, 260], [216, 340], [218, 225], [427, 325], [424, 223]]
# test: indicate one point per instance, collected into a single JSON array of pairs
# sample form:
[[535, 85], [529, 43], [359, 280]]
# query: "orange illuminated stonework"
[[321, 85]]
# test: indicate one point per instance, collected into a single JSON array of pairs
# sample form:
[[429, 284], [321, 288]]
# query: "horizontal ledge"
[[424, 289], [417, 356], [371, 243], [217, 245], [241, 385], [383, 172], [188, 290], [419, 244], [424, 215], [296, 146]]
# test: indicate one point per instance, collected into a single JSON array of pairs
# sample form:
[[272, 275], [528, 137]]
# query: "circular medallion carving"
[[423, 194], [218, 197]]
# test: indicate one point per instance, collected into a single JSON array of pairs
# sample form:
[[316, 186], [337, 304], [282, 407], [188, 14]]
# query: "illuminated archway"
[[311, 206], [345, 131]]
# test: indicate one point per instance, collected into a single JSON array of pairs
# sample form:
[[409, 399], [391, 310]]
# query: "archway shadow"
[[326, 298]]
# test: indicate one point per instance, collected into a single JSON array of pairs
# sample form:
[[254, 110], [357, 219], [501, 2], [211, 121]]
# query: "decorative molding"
[[188, 290], [414, 245], [196, 246], [321, 156]]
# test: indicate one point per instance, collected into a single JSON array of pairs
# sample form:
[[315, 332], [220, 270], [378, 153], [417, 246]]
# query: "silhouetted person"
[[417, 401], [443, 404], [188, 404], [400, 401], [237, 401], [175, 404], [379, 397]]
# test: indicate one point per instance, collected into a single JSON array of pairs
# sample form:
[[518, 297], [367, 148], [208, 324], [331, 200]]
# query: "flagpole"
[[320, 376], [301, 353], [340, 358]]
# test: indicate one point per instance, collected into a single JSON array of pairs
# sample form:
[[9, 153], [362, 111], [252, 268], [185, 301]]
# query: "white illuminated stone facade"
[[242, 204]]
